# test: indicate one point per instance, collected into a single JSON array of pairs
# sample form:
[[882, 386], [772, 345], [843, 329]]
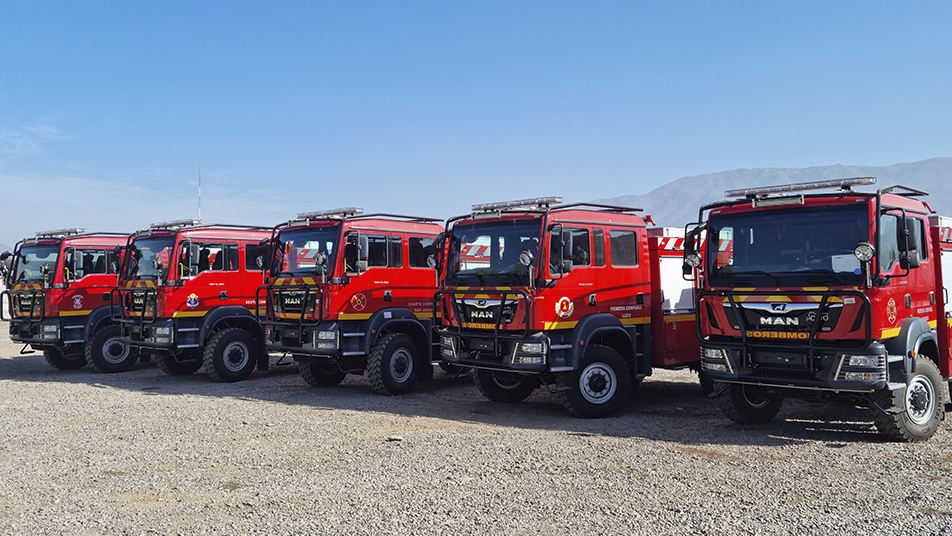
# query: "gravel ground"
[[143, 453]]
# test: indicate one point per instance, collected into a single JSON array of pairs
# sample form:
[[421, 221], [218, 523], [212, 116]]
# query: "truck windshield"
[[486, 253], [37, 263], [305, 252], [149, 258], [798, 247]]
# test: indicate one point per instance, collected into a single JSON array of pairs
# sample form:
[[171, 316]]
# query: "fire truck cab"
[[568, 297], [186, 294], [58, 298], [349, 292], [822, 295]]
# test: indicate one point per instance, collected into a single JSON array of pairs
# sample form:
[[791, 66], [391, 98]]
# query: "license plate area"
[[782, 359]]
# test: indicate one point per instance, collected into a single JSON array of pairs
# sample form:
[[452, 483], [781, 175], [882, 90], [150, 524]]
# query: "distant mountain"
[[677, 203]]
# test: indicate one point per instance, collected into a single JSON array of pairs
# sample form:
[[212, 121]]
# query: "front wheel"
[[599, 387], [56, 357], [107, 352], [392, 364], [506, 387], [230, 355], [745, 405], [914, 412]]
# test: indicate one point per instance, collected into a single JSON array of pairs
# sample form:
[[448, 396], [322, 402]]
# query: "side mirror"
[[567, 265], [5, 255], [567, 246], [363, 250], [908, 234], [193, 254], [909, 260]]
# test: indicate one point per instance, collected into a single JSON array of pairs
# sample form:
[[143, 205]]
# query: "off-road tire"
[[505, 387], [599, 387], [191, 362], [916, 410], [392, 364], [57, 359], [230, 355], [741, 404], [105, 351], [321, 373]]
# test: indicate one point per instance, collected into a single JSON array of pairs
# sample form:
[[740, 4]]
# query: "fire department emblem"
[[77, 302], [564, 307], [192, 301], [891, 311], [358, 301]]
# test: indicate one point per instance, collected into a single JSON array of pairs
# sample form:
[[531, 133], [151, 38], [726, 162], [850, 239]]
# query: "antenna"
[[199, 188]]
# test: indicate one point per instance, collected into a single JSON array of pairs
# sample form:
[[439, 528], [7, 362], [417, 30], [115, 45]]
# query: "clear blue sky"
[[424, 108]]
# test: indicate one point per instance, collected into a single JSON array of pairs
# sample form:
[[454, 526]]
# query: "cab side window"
[[418, 250], [252, 254], [623, 247], [396, 251], [598, 247], [376, 251]]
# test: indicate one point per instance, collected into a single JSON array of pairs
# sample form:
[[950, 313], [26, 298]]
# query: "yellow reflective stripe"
[[352, 316], [187, 314], [76, 313], [679, 318]]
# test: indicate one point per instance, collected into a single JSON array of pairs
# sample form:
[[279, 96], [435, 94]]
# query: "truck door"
[[575, 294], [678, 334]]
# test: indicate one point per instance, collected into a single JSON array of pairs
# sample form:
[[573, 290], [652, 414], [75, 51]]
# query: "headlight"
[[531, 347], [864, 251], [50, 328], [713, 353], [166, 331], [446, 341], [326, 335], [692, 259], [867, 361]]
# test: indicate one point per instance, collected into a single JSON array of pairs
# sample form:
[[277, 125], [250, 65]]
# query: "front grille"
[[483, 311], [783, 316]]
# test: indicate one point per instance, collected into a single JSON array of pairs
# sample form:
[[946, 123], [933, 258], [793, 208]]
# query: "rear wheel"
[[107, 352], [230, 355], [599, 387], [179, 363], [745, 405], [57, 358], [321, 373], [506, 387], [392, 364], [915, 411]]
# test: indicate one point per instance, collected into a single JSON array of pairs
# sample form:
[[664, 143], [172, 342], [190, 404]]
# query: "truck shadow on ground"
[[668, 407]]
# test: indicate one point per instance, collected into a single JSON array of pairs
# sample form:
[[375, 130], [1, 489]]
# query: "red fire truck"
[[568, 297], [348, 293], [58, 298], [819, 295], [186, 294]]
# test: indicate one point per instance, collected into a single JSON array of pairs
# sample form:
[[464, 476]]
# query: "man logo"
[[778, 307]]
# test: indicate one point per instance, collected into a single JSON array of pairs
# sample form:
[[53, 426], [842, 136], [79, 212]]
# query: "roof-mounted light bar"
[[842, 184], [60, 232], [175, 224], [540, 202], [333, 213]]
